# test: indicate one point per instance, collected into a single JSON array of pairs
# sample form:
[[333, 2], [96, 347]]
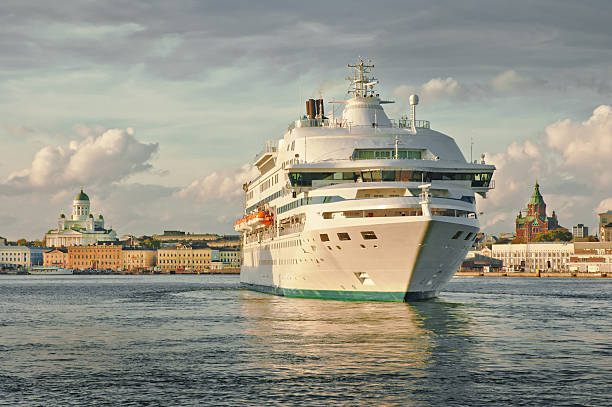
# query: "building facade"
[[137, 259], [182, 258], [95, 257], [56, 257], [535, 220], [230, 258], [81, 228], [546, 256], [605, 226], [21, 256], [592, 257], [580, 231]]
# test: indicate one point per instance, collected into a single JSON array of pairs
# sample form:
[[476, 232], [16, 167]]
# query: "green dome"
[[62, 216], [81, 196], [91, 216], [100, 217]]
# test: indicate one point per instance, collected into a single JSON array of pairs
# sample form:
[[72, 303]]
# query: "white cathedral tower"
[[81, 229]]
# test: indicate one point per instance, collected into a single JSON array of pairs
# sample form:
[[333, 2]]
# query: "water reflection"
[[382, 344]]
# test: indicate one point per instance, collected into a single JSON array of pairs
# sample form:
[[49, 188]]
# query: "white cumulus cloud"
[[100, 159], [572, 164], [219, 186]]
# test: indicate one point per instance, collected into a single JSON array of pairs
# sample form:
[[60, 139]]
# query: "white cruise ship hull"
[[410, 259]]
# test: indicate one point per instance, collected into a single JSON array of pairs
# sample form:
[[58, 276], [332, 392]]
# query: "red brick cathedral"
[[535, 220]]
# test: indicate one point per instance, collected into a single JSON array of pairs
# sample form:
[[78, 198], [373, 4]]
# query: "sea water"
[[200, 340]]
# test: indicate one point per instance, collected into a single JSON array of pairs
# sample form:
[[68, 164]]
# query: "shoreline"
[[535, 274]]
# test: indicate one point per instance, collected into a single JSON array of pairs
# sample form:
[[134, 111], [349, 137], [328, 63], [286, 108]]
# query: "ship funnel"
[[311, 108]]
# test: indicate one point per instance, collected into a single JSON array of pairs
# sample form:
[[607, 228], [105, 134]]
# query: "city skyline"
[[157, 111]]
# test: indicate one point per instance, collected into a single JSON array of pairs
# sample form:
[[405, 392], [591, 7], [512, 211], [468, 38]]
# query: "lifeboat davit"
[[253, 221]]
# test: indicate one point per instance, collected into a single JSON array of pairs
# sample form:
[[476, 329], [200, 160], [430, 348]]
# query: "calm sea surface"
[[199, 340]]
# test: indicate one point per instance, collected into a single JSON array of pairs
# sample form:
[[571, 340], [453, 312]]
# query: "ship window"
[[362, 246], [468, 236], [369, 235], [324, 237], [344, 236], [388, 175], [456, 235]]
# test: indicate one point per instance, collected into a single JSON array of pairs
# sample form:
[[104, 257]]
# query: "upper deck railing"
[[332, 123], [270, 146]]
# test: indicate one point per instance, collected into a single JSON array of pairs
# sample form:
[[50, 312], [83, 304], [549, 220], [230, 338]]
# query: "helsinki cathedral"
[[81, 229]]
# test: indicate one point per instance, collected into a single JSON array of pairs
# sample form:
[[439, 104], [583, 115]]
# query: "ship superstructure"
[[359, 207]]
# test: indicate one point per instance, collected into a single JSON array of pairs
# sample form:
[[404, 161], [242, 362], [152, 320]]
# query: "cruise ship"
[[359, 207]]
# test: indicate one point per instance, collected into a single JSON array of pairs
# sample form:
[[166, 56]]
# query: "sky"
[[157, 108]]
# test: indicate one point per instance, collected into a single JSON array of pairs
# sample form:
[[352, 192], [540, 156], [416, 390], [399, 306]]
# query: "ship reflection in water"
[[386, 351]]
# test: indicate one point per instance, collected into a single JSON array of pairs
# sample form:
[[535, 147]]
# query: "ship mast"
[[360, 82]]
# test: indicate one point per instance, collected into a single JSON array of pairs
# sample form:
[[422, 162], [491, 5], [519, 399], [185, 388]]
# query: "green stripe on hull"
[[340, 295]]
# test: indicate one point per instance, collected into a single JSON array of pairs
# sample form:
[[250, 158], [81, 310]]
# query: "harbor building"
[[605, 226], [56, 257], [534, 256], [136, 259], [95, 257], [580, 231], [535, 220], [81, 228], [21, 256], [230, 258], [555, 256], [592, 257], [184, 258]]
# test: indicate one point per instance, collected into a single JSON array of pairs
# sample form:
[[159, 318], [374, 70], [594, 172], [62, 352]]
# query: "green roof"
[[536, 197], [81, 196]]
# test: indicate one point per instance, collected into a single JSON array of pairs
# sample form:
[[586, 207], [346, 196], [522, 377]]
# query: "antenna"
[[414, 100], [471, 147]]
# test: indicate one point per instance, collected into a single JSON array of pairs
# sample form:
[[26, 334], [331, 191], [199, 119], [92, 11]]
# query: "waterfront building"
[[3, 241], [605, 226], [95, 257], [21, 256], [230, 258], [56, 257], [184, 258], [81, 228], [139, 259], [580, 231], [552, 256], [180, 236], [591, 257], [477, 261], [535, 220]]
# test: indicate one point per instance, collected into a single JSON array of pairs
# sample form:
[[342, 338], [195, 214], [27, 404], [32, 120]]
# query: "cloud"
[[436, 89], [507, 80], [586, 147], [571, 163], [97, 160], [441, 88], [219, 186], [604, 206]]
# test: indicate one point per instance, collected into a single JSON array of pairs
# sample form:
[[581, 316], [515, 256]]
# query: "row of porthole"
[[367, 235], [467, 237]]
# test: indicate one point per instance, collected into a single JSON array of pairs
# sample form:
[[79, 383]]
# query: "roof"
[[536, 197], [81, 196]]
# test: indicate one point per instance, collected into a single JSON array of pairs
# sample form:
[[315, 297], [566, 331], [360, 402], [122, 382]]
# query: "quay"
[[536, 274]]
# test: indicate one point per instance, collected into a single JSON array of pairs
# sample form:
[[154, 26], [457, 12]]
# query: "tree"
[[22, 242], [556, 235]]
